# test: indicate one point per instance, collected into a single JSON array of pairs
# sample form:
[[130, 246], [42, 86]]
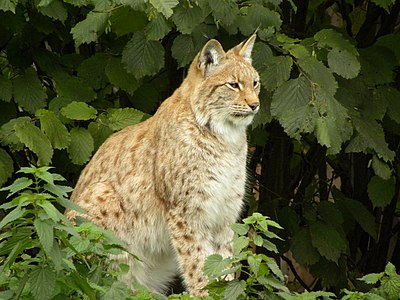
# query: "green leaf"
[[370, 135], [92, 72], [276, 72], [240, 229], [117, 291], [254, 263], [51, 211], [183, 49], [123, 117], [328, 241], [54, 129], [384, 3], [125, 20], [8, 5], [91, 28], [44, 229], [372, 278], [6, 166], [79, 111], [119, 77], [186, 17], [79, 243], [157, 28], [13, 215], [36, 141], [256, 17], [18, 185], [164, 6], [28, 91], [343, 63], [55, 10], [335, 40], [358, 211], [302, 249], [100, 130], [392, 42], [81, 146], [240, 243], [42, 282], [381, 191], [381, 168], [215, 264], [234, 289], [5, 89], [142, 57], [392, 96], [224, 10], [72, 88]]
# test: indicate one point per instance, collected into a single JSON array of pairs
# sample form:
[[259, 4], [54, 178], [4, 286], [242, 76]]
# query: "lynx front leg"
[[192, 247]]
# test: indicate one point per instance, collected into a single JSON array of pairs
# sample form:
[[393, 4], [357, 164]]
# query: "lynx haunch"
[[171, 186]]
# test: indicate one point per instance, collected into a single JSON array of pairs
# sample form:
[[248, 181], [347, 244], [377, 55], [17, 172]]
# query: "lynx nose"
[[254, 106]]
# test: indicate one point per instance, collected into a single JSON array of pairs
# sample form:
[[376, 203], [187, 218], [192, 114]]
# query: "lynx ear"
[[210, 56], [244, 49]]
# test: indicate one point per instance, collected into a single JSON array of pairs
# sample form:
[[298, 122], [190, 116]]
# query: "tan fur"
[[171, 186]]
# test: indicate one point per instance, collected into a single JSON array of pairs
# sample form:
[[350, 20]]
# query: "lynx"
[[171, 186]]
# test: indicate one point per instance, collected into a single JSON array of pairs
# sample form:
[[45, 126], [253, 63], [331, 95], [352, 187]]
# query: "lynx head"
[[227, 86]]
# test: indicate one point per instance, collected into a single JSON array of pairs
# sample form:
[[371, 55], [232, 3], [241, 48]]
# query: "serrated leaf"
[[142, 57], [234, 289], [164, 6], [240, 243], [256, 17], [381, 191], [6, 166], [8, 5], [119, 77], [81, 146], [92, 69], [42, 282], [275, 269], [79, 111], [299, 121], [125, 20], [186, 17], [276, 72], [36, 141], [328, 241], [118, 290], [44, 229], [254, 263], [330, 213], [392, 96], [123, 117], [157, 28], [183, 49], [72, 88], [381, 168], [51, 211], [302, 249], [358, 211], [240, 229], [392, 42], [13, 215], [5, 89], [28, 91], [91, 28], [335, 40], [18, 185], [224, 10], [343, 63], [55, 10], [215, 264], [372, 278], [100, 130], [384, 3], [261, 55], [54, 129]]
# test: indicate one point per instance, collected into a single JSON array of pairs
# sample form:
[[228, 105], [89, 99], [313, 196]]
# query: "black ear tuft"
[[210, 56]]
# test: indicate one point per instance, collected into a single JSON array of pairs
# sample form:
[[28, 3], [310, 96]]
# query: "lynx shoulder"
[[171, 186]]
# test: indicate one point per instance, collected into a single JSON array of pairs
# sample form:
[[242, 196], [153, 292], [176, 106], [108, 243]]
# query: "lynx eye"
[[233, 85], [255, 83]]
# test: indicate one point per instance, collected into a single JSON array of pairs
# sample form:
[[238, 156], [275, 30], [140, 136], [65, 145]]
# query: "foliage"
[[325, 155]]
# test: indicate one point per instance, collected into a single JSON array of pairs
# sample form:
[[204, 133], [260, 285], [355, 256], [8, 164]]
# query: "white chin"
[[241, 120]]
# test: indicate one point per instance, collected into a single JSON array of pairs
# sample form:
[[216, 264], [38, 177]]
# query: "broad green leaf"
[[81, 146], [92, 72], [183, 49], [125, 20], [384, 3], [261, 55], [381, 168], [240, 243], [299, 121], [42, 282], [28, 91], [7, 132], [44, 229], [240, 229], [51, 211], [5, 89], [55, 10], [79, 111], [79, 243], [164, 6], [91, 28], [72, 88], [123, 117], [335, 40], [13, 215], [157, 28], [370, 135], [119, 77], [343, 63], [224, 10], [302, 249], [392, 42], [117, 291], [359, 212], [100, 130], [328, 241], [276, 72], [254, 263], [54, 129], [392, 96], [6, 166], [381, 191], [8, 5], [234, 289], [18, 185], [372, 278], [330, 213], [215, 264], [142, 57], [257, 17], [319, 75], [36, 141], [275, 269], [186, 17]]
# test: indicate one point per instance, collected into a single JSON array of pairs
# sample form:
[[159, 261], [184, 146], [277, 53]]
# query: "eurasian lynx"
[[171, 186]]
